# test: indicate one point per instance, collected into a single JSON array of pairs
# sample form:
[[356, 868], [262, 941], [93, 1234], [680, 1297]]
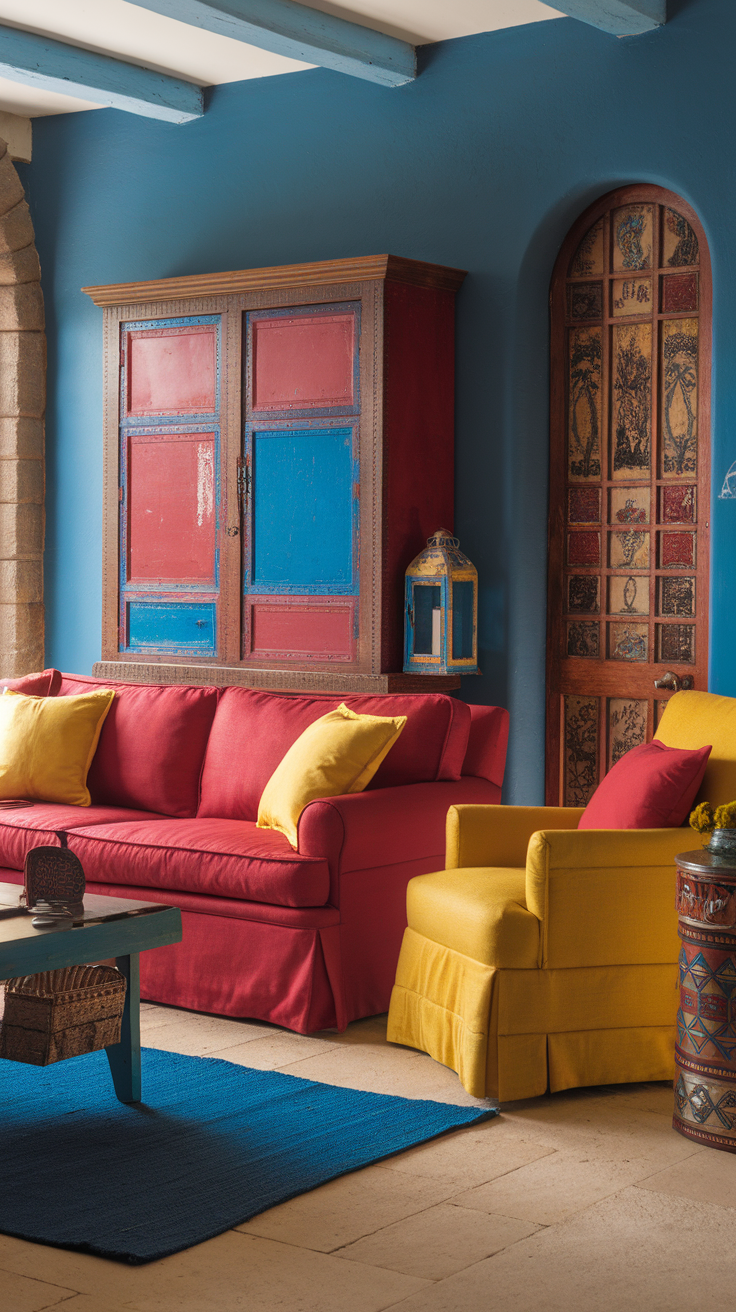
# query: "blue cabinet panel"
[[175, 627], [305, 511]]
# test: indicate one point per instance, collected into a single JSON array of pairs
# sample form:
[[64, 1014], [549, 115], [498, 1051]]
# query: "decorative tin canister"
[[705, 1053], [723, 843], [441, 610]]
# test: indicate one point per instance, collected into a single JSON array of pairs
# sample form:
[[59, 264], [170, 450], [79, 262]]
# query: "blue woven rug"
[[212, 1145]]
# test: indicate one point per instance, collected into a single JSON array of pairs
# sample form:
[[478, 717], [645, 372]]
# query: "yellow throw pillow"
[[47, 744], [338, 754]]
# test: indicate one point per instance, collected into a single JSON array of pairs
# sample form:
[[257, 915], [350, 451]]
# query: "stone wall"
[[22, 404]]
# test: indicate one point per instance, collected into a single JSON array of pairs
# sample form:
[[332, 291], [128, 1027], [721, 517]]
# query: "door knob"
[[673, 682]]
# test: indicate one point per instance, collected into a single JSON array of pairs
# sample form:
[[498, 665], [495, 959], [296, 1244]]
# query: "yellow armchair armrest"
[[499, 835], [605, 897]]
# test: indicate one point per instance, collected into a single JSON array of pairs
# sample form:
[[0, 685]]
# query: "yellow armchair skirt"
[[513, 1034]]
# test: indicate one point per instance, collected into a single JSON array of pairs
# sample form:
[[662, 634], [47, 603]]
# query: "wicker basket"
[[61, 1013]]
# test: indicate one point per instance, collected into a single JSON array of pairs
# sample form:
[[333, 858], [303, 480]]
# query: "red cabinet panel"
[[172, 370], [171, 508], [304, 362], [302, 631]]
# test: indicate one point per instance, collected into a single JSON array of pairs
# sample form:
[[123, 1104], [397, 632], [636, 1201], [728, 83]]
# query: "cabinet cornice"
[[367, 268]]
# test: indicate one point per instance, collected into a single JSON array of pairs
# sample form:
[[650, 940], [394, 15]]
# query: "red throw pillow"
[[44, 684], [150, 753], [651, 787]]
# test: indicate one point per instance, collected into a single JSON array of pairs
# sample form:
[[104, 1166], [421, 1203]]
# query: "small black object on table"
[[705, 1052]]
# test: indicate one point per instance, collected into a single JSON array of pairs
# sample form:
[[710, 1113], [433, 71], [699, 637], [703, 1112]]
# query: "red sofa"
[[306, 939]]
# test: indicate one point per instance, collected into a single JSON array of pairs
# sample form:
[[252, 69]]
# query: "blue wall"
[[483, 163]]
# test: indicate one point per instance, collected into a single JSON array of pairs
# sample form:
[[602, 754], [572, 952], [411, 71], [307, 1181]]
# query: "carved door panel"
[[629, 480]]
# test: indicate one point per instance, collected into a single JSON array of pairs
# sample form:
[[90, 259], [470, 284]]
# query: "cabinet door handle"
[[243, 483], [240, 484]]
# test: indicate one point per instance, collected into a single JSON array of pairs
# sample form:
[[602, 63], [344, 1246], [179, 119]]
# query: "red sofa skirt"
[[306, 968]]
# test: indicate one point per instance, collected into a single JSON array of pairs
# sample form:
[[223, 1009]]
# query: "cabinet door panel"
[[180, 628], [172, 488], [172, 370], [304, 511], [304, 631], [170, 485], [304, 361]]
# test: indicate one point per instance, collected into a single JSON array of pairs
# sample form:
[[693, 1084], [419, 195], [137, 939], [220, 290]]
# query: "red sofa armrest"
[[385, 826], [487, 744]]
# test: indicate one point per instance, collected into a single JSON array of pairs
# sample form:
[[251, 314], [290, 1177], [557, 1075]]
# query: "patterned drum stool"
[[705, 1054]]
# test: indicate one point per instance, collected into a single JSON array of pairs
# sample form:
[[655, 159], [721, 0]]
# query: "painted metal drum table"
[[705, 1053]]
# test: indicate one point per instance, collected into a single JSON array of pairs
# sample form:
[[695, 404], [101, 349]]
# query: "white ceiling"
[[139, 36]]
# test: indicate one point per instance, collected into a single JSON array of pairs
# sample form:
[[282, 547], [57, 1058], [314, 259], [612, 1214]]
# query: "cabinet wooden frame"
[[409, 299]]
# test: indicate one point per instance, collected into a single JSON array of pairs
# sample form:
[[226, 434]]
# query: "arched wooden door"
[[629, 480]]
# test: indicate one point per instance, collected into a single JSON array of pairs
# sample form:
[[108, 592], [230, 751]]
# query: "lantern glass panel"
[[427, 599], [462, 620]]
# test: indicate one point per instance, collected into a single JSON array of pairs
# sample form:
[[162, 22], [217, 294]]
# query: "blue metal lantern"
[[441, 610]]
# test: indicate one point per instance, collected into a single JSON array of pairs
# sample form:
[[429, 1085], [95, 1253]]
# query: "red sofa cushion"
[[44, 684], [38, 826], [651, 787], [223, 858], [152, 745], [252, 732]]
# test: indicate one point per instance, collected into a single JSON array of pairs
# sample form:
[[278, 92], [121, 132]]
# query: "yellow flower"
[[702, 818], [725, 816]]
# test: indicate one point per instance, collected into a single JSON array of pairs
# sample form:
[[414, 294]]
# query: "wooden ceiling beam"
[[40, 61], [295, 30], [619, 17]]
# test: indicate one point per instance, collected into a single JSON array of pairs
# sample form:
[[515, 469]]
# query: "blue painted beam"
[[39, 61], [294, 30], [620, 17]]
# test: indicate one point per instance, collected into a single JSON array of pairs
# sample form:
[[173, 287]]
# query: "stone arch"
[[22, 405]]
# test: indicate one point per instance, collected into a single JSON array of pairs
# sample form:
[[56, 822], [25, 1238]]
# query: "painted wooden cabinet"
[[278, 448]]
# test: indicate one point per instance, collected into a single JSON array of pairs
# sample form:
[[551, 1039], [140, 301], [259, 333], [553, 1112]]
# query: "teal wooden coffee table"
[[109, 927]]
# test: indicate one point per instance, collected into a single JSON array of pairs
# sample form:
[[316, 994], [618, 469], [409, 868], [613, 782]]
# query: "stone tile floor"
[[585, 1201]]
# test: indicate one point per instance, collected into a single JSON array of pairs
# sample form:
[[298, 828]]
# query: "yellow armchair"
[[544, 956]]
